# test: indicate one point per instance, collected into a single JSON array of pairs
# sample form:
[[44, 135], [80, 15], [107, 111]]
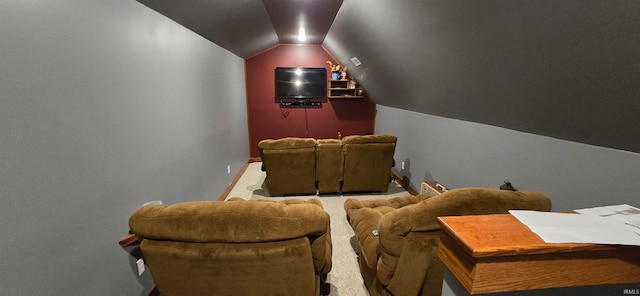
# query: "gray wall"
[[466, 154], [104, 105]]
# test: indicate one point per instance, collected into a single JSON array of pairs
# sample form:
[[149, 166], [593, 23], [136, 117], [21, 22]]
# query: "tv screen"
[[301, 83]]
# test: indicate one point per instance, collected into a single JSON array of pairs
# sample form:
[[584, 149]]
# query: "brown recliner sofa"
[[329, 165], [290, 164], [402, 259], [235, 247], [305, 165], [367, 162]]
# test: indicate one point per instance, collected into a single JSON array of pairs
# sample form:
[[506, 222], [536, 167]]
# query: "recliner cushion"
[[364, 217], [408, 229], [329, 165], [369, 139], [290, 164], [287, 143], [238, 222], [367, 162]]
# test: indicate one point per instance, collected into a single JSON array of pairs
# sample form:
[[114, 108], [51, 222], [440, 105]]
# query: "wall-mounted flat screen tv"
[[301, 83]]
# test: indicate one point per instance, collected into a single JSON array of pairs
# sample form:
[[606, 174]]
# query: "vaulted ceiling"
[[563, 69], [247, 27]]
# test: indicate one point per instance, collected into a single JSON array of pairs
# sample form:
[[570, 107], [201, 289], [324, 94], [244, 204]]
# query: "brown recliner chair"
[[403, 259], [367, 162], [290, 165], [235, 247]]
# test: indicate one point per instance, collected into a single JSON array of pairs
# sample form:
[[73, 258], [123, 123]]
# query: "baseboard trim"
[[154, 291], [404, 183], [226, 192]]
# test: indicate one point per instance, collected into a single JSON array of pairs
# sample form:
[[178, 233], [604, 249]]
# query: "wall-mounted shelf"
[[339, 89]]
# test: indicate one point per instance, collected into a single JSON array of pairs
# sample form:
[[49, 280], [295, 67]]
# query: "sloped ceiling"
[[247, 27], [564, 69]]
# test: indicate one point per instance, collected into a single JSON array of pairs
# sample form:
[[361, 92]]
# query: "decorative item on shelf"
[[343, 89], [360, 91], [352, 83], [336, 70], [343, 73]]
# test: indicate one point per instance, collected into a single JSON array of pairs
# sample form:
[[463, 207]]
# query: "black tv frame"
[[300, 85]]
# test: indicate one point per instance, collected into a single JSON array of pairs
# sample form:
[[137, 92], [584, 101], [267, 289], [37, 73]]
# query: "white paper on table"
[[575, 228], [623, 215]]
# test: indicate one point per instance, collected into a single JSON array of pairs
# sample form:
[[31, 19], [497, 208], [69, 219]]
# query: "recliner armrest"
[[364, 217]]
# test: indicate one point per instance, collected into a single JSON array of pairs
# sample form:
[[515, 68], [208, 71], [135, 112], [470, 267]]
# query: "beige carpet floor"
[[344, 278]]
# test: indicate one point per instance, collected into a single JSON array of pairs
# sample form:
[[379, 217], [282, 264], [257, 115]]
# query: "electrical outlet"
[[140, 265], [402, 164], [228, 169]]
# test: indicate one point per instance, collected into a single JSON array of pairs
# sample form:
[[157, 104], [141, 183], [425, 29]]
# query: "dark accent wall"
[[268, 120], [563, 69]]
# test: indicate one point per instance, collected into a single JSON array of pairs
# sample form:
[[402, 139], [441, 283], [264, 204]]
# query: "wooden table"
[[497, 253]]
